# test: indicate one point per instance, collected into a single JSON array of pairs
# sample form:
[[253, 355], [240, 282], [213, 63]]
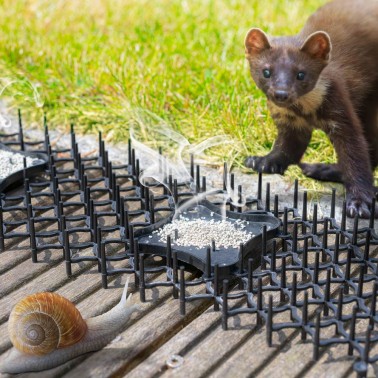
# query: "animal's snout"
[[281, 95]]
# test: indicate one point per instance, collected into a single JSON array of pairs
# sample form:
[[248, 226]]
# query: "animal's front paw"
[[266, 164], [361, 207]]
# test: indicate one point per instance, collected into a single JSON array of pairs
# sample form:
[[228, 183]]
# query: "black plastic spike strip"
[[317, 277]]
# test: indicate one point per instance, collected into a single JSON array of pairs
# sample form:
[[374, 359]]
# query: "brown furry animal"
[[325, 77]]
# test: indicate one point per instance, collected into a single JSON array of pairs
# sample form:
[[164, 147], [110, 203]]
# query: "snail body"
[[47, 330]]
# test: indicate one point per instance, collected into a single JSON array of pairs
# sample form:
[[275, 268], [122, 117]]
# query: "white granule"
[[200, 232], [11, 162]]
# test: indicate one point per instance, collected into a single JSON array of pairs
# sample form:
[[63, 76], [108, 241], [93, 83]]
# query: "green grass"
[[101, 64]]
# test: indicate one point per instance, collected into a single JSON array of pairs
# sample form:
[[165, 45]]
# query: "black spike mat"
[[317, 272]]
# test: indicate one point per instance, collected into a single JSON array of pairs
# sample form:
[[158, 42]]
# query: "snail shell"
[[42, 322], [47, 330]]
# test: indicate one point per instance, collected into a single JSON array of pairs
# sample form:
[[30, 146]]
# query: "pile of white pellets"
[[201, 232], [11, 162]]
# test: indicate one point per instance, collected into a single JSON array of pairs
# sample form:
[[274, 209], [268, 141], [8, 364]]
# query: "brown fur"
[[337, 55]]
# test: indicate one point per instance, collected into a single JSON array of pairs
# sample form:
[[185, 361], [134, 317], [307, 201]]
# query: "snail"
[[47, 330]]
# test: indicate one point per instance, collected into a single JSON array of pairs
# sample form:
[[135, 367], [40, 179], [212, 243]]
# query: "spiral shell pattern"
[[42, 322]]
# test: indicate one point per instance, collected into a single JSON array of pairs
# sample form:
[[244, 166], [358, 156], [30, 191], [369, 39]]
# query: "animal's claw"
[[361, 207], [266, 164]]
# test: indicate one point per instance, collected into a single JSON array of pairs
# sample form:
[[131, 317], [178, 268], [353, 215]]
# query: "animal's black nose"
[[281, 95]]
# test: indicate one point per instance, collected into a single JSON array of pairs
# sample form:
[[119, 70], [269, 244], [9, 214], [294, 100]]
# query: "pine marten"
[[325, 77]]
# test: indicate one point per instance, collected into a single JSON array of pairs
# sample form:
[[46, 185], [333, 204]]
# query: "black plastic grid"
[[321, 264], [312, 263]]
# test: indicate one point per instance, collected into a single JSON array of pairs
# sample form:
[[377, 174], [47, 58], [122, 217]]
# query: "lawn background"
[[100, 63]]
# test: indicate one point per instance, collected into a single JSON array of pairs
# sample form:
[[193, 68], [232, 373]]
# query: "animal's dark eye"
[[267, 74], [301, 76]]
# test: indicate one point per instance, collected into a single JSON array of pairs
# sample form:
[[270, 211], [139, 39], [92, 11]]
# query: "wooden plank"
[[295, 359], [180, 344], [88, 281], [249, 358], [10, 280], [212, 350], [51, 280], [332, 363], [98, 302], [91, 282], [12, 257], [105, 303], [204, 345], [85, 281], [288, 355], [141, 339], [156, 299], [239, 351]]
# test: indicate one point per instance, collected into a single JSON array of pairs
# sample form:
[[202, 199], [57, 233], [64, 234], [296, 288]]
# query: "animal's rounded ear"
[[256, 41], [318, 45]]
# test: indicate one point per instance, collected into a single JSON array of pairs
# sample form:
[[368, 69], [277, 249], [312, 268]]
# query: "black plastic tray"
[[227, 259], [18, 176]]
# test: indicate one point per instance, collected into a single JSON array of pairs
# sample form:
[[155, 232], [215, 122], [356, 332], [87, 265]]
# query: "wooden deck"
[[157, 332]]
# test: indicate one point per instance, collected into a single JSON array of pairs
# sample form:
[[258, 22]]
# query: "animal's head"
[[284, 68]]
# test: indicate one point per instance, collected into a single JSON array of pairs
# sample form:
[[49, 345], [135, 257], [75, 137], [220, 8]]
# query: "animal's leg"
[[369, 120], [288, 149]]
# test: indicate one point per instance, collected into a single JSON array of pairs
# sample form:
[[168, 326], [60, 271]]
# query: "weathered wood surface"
[[157, 332]]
